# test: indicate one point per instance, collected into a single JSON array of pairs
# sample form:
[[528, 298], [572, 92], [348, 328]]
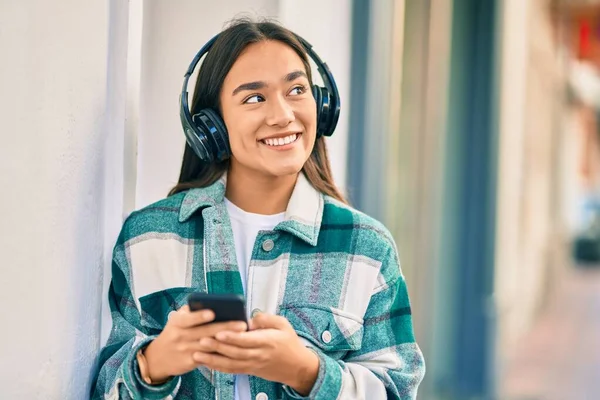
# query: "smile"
[[282, 141]]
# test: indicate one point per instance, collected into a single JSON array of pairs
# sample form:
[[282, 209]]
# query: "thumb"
[[268, 321]]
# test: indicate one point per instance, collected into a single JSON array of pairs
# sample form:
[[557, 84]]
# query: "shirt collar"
[[303, 215]]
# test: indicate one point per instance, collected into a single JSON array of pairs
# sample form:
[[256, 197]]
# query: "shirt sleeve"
[[118, 373]]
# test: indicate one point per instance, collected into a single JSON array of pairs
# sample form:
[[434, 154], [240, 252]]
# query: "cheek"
[[242, 133], [241, 125], [309, 120], [242, 148]]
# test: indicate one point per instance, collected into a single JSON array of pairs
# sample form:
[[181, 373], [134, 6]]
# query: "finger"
[[184, 318], [249, 340], [211, 329], [209, 345], [221, 363], [269, 321]]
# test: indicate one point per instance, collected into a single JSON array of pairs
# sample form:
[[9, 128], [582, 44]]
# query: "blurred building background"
[[468, 127]]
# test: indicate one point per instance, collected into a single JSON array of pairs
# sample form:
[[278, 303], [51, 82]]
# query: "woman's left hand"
[[270, 350]]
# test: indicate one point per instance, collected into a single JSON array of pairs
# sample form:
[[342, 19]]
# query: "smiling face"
[[269, 111]]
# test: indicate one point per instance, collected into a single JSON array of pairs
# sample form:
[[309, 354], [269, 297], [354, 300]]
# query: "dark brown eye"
[[256, 98], [297, 90]]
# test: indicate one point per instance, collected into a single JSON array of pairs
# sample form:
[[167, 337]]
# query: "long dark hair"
[[196, 173]]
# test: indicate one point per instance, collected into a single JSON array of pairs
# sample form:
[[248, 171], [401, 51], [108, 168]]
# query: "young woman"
[[256, 213]]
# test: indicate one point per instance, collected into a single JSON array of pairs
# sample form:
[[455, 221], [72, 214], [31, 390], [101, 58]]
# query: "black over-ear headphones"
[[206, 133]]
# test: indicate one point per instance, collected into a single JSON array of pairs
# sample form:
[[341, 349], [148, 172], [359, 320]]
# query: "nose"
[[279, 113]]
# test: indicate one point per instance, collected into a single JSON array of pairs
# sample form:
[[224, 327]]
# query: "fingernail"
[[221, 336], [255, 312]]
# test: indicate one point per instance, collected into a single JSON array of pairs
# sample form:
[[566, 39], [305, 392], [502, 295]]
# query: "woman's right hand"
[[170, 354]]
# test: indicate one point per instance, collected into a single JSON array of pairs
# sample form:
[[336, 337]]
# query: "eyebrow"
[[262, 84]]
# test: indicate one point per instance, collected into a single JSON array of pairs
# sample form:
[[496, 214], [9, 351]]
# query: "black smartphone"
[[227, 307]]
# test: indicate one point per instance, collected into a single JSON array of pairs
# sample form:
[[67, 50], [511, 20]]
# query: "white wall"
[[119, 153], [171, 38], [53, 163]]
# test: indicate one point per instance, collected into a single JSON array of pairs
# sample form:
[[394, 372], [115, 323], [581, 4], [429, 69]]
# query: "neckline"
[[246, 217]]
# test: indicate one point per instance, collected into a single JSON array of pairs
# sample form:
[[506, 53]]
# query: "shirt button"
[[268, 246], [262, 396], [326, 337]]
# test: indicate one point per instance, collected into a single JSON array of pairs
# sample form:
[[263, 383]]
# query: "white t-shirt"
[[245, 228]]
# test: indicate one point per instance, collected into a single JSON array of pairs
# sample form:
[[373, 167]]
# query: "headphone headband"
[[196, 60]]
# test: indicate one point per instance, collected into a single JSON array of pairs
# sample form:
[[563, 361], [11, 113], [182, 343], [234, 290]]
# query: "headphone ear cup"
[[325, 123], [198, 142], [214, 128], [221, 135], [317, 94]]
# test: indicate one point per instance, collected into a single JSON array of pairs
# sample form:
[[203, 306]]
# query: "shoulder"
[[369, 236], [159, 217]]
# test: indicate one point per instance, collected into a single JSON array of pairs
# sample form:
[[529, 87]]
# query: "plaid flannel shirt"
[[332, 271]]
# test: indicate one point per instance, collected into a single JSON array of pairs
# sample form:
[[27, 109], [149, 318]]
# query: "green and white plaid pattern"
[[332, 271]]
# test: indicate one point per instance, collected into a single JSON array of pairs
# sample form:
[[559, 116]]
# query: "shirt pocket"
[[329, 329], [157, 306]]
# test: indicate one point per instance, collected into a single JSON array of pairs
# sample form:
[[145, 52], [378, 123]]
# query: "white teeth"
[[281, 141]]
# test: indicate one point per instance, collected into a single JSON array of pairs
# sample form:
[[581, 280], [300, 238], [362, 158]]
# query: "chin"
[[284, 166], [285, 170]]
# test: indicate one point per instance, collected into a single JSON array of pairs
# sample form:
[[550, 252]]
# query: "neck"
[[259, 194]]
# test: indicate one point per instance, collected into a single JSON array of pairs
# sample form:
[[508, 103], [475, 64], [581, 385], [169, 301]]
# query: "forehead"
[[268, 61]]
